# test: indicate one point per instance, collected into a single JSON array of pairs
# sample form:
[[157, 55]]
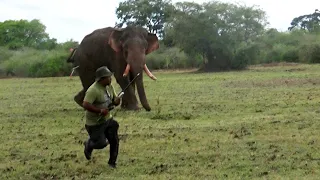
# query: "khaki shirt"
[[100, 97]]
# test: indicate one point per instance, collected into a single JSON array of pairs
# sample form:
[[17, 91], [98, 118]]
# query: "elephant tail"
[[71, 57]]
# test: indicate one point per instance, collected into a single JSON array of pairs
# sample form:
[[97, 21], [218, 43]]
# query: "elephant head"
[[132, 44]]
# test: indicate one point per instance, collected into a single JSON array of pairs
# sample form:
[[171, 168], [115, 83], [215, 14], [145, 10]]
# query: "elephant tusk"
[[73, 69], [146, 69], [126, 71]]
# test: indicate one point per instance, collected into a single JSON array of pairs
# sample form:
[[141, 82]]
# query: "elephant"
[[123, 51]]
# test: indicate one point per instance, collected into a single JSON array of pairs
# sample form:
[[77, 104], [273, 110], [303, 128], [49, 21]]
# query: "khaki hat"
[[103, 72]]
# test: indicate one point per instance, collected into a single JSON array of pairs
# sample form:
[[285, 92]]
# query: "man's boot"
[[112, 165], [87, 150]]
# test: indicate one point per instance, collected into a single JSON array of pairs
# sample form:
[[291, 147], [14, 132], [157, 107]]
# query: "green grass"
[[262, 123]]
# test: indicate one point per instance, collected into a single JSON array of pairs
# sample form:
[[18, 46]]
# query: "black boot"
[[87, 150], [112, 165]]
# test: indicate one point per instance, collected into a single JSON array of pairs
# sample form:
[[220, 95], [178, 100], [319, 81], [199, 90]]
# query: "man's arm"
[[88, 106], [116, 99], [88, 100]]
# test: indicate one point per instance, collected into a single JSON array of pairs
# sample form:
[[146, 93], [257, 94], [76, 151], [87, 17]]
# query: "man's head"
[[103, 76]]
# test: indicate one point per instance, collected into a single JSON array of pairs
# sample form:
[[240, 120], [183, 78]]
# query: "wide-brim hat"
[[103, 72]]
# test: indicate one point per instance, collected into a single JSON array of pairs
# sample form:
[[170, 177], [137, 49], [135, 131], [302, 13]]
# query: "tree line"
[[223, 36], [26, 49], [212, 36]]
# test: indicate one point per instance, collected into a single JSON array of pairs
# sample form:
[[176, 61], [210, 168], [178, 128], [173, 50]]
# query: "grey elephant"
[[124, 52]]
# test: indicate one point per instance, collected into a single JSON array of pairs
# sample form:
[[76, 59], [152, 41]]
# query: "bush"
[[272, 56], [20, 61], [244, 56], [310, 53], [156, 60], [315, 54], [295, 46], [170, 58], [275, 54], [54, 65], [34, 63], [5, 54], [291, 55]]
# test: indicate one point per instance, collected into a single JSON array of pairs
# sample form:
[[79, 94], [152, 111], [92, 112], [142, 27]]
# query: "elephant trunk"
[[141, 93], [135, 69], [139, 83], [136, 64]]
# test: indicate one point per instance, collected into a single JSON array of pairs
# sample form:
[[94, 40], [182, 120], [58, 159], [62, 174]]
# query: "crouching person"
[[100, 124]]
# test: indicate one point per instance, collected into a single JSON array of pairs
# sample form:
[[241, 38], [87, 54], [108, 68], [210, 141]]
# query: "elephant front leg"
[[129, 101]]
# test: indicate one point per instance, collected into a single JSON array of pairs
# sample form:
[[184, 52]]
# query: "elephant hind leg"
[[87, 77], [79, 97]]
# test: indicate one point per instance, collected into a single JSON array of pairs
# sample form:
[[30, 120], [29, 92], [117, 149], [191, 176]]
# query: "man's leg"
[[112, 135], [97, 139]]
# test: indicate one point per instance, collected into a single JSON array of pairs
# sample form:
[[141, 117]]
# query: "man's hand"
[[104, 112], [91, 108], [116, 101]]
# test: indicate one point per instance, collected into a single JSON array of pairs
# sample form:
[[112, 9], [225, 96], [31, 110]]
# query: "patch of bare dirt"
[[275, 64], [6, 77], [276, 82], [176, 70], [283, 66]]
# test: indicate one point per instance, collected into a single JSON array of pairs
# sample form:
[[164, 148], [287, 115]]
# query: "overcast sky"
[[66, 19]]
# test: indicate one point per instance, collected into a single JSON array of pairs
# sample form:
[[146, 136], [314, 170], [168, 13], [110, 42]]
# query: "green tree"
[[309, 22], [215, 30], [68, 44], [19, 33], [151, 14]]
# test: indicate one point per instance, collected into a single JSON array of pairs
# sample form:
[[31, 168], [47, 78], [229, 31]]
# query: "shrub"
[[35, 63], [315, 54], [20, 61], [272, 56], [275, 54], [5, 54], [156, 61], [244, 56], [169, 58], [291, 55], [310, 53], [54, 65]]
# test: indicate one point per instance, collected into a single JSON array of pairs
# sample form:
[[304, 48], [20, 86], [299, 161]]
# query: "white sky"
[[73, 19]]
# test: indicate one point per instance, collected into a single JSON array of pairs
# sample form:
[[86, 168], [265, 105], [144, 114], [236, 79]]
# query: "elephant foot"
[[148, 109], [130, 107], [129, 103]]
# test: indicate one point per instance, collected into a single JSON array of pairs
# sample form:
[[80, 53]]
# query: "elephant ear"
[[153, 43], [114, 40]]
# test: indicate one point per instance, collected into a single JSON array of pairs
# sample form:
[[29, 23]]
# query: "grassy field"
[[262, 123]]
